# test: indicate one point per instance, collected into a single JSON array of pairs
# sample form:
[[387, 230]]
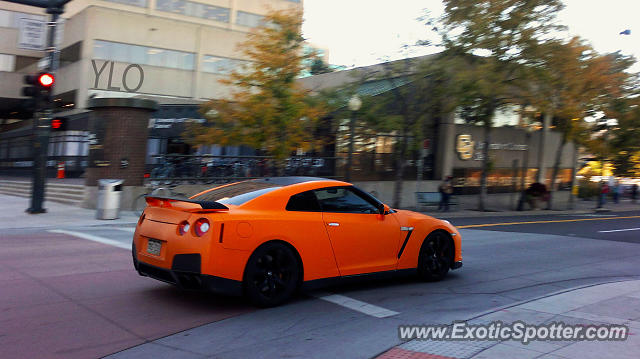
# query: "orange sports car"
[[265, 238]]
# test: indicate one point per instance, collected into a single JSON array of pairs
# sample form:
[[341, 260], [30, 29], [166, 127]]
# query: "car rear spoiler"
[[185, 204]]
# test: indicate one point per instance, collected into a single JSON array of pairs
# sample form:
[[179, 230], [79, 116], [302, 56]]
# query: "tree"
[[267, 110], [318, 66], [569, 80], [491, 37]]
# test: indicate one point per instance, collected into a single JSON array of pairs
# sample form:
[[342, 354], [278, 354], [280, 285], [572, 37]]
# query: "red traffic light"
[[56, 123], [46, 80]]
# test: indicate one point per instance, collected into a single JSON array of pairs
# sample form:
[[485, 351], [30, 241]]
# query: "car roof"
[[290, 180]]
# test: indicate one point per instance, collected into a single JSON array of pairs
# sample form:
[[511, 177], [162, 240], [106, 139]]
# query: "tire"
[[436, 256], [272, 275]]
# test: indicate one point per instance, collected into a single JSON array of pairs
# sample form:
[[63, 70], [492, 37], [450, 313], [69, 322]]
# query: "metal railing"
[[227, 168]]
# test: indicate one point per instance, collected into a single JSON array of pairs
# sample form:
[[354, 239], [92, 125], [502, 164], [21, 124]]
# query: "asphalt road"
[[503, 264]]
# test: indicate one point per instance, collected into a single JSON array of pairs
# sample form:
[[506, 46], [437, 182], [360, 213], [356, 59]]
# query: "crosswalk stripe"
[[358, 306], [91, 237]]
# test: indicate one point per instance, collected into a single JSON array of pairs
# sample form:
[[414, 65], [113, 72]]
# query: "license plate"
[[153, 247]]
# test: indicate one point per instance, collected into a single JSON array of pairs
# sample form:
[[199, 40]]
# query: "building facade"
[[171, 51]]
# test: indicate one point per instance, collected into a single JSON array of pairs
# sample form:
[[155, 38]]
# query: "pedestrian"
[[634, 192], [615, 191], [445, 189], [604, 191]]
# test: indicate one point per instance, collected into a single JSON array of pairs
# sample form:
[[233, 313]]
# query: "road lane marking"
[[126, 229], [358, 306], [91, 237], [621, 230], [537, 222]]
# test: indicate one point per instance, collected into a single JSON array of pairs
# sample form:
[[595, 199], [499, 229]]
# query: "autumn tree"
[[624, 146], [490, 37], [267, 110], [569, 80]]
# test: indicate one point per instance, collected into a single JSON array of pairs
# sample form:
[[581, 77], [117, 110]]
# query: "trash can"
[[109, 193]]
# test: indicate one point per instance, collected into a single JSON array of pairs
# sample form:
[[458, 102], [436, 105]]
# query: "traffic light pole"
[[42, 121]]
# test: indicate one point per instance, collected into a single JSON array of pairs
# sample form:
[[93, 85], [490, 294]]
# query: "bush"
[[588, 189]]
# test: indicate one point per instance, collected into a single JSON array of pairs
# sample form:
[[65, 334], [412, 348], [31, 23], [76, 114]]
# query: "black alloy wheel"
[[272, 275], [436, 256]]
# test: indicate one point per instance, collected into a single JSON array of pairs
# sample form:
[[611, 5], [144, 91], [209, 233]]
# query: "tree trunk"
[[485, 167], [556, 169], [574, 169]]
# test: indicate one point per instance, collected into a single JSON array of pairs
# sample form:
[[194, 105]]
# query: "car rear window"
[[238, 193]]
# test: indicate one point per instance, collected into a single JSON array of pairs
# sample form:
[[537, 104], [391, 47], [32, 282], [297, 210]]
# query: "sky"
[[365, 32]]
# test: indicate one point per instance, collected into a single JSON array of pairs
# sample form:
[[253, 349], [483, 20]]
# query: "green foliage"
[[267, 110], [318, 66], [588, 189]]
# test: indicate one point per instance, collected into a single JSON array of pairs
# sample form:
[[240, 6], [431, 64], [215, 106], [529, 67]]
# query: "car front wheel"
[[272, 275], [436, 256]]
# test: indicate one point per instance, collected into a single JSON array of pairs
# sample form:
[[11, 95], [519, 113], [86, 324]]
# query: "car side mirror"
[[383, 209]]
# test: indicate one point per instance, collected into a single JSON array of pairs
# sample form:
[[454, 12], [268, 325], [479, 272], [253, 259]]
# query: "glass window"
[[238, 193], [222, 65], [156, 57], [344, 200], [135, 54], [101, 50], [187, 61], [138, 54], [163, 5], [6, 18], [120, 52], [303, 202], [248, 19], [216, 13], [194, 9], [7, 62], [179, 6], [140, 3]]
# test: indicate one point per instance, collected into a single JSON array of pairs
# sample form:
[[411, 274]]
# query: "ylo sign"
[[132, 76]]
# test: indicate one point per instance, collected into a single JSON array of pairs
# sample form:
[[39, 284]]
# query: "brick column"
[[118, 130], [118, 133]]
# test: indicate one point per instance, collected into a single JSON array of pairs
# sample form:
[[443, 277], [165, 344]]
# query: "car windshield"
[[238, 193]]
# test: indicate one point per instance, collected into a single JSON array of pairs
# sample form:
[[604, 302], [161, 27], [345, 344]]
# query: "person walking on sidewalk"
[[445, 189], [616, 191], [604, 191]]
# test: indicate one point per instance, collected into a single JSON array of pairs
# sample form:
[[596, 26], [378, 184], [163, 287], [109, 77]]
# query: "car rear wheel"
[[436, 256], [272, 275]]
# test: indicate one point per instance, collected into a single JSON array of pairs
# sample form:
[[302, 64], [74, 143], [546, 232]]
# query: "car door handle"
[[334, 224]]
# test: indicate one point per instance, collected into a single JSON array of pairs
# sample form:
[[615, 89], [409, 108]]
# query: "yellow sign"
[[464, 147]]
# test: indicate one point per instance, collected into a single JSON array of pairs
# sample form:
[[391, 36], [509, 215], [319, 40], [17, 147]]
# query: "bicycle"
[[154, 189]]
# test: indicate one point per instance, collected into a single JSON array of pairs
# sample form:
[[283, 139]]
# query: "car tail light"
[[183, 228], [201, 226]]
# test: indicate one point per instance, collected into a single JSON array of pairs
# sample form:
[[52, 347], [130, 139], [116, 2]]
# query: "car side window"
[[343, 200], [303, 202]]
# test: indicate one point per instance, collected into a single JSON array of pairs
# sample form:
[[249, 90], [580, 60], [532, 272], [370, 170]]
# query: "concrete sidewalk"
[[605, 304], [580, 207], [13, 215]]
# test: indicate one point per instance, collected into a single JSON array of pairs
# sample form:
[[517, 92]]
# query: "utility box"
[[109, 196]]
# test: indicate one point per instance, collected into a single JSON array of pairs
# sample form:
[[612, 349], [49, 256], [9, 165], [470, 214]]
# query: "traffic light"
[[59, 124], [39, 87]]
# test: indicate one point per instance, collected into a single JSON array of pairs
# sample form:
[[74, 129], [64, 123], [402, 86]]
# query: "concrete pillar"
[[118, 132], [445, 150]]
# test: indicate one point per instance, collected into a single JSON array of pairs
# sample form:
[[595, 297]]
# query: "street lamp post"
[[530, 128], [354, 105]]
